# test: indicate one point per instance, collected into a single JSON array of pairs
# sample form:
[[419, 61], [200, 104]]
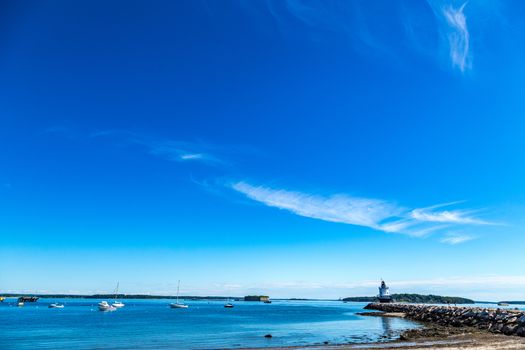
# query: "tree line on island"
[[136, 296], [416, 298], [118, 296]]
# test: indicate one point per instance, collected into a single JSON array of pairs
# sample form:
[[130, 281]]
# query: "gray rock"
[[509, 329]]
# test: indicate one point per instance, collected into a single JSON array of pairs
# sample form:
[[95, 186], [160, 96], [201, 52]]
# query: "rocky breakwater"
[[505, 321]]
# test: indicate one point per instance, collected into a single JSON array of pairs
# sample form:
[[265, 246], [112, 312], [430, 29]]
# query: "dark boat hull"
[[28, 299]]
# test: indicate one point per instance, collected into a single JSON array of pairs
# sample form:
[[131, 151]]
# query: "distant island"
[[416, 298], [256, 298]]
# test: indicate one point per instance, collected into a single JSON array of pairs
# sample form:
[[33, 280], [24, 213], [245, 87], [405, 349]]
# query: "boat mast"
[[178, 286], [116, 291]]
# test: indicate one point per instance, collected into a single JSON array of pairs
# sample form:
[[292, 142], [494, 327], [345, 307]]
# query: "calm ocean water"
[[151, 324]]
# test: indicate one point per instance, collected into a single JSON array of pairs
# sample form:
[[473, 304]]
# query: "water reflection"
[[386, 323]]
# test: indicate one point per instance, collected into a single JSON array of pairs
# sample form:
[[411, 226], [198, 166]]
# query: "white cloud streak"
[[458, 36], [366, 30], [455, 33], [180, 152], [337, 208], [189, 156], [176, 151], [456, 238], [372, 213], [446, 216]]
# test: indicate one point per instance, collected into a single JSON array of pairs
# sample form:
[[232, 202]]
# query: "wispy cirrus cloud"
[[456, 238], [376, 214], [454, 31], [350, 19], [458, 36], [430, 214], [182, 152], [368, 32], [172, 150], [337, 208]]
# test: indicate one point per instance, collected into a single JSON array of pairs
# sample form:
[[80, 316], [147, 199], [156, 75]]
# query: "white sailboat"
[[117, 303], [176, 304], [228, 305], [56, 306]]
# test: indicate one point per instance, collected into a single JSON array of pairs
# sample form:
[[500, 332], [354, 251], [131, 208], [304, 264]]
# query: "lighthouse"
[[384, 294]]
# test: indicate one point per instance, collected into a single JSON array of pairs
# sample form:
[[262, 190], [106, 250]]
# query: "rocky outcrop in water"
[[505, 321]]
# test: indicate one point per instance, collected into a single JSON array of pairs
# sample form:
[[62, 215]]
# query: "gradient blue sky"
[[295, 148]]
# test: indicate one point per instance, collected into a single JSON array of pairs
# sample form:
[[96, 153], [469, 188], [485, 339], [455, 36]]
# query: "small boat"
[[56, 306], [267, 301], [20, 303], [117, 303], [176, 304], [2, 299], [502, 303], [104, 306], [29, 299], [228, 305]]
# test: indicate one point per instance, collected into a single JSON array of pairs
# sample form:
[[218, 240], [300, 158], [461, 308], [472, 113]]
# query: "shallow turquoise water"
[[151, 324]]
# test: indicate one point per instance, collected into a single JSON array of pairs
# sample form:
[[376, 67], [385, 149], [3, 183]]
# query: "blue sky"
[[295, 148]]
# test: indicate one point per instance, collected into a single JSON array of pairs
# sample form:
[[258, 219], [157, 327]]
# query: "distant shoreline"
[[143, 296], [118, 296], [237, 298]]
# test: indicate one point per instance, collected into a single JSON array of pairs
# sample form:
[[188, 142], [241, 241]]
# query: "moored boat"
[[176, 304], [56, 306], [116, 303], [228, 305], [104, 306], [28, 299]]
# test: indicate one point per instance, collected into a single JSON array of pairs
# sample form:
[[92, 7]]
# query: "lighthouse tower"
[[384, 294]]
